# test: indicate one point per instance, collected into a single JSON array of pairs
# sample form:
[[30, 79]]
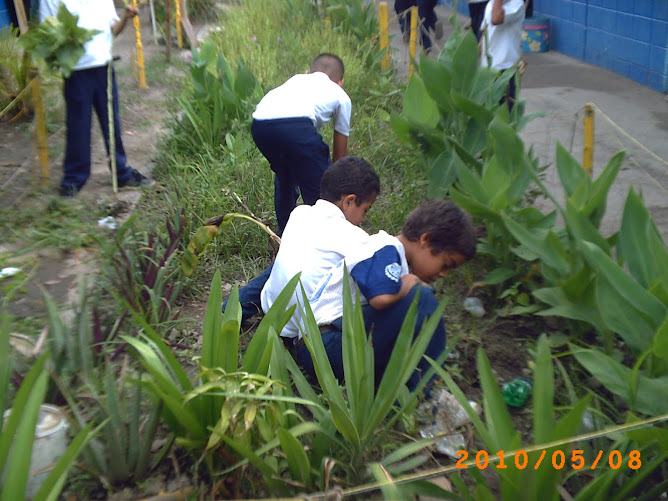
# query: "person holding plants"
[[86, 89], [501, 39], [285, 129], [388, 272], [319, 236]]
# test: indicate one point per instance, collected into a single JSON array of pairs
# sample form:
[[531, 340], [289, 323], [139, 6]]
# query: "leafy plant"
[[18, 430], [219, 96], [14, 68], [58, 40], [141, 274], [212, 414]]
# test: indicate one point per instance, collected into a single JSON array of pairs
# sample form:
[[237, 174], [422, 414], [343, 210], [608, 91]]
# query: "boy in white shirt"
[[317, 237], [86, 89], [285, 129], [437, 236], [502, 39]]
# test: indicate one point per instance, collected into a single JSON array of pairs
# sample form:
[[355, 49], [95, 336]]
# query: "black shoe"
[[137, 180], [68, 191]]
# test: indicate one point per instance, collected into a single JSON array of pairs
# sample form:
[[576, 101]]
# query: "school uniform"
[[374, 268], [285, 129], [503, 42], [316, 238], [477, 13], [86, 89]]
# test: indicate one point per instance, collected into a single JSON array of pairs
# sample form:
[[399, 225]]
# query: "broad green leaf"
[[437, 80], [582, 229], [623, 284], [640, 243], [570, 171], [298, 462], [418, 104], [543, 393], [508, 146], [594, 209], [497, 276], [387, 486], [212, 322], [616, 378], [548, 251], [442, 172], [660, 343], [465, 63]]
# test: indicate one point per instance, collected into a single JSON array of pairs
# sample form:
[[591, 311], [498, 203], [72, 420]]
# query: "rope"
[[17, 98], [629, 136], [338, 493]]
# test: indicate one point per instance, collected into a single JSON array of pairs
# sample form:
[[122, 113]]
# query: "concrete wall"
[[629, 37]]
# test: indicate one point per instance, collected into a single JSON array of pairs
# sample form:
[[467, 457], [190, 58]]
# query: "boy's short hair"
[[449, 227], [330, 64], [349, 175]]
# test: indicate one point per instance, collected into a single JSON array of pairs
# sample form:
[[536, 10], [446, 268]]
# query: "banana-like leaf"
[[298, 462]]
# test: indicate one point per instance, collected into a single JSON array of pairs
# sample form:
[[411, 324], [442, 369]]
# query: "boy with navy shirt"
[[285, 129], [389, 271]]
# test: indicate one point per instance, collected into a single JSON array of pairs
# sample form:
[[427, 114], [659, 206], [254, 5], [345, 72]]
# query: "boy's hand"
[[382, 301], [130, 11]]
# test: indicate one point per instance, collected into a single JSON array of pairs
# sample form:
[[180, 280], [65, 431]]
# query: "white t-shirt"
[[309, 95], [93, 15], [505, 40], [375, 268], [316, 238]]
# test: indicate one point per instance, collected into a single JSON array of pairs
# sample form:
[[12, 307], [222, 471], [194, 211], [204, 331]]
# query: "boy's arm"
[[383, 301], [130, 12], [340, 146]]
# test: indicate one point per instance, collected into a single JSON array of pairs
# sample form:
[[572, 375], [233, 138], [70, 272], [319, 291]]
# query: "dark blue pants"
[[297, 155], [383, 326], [477, 13], [85, 91], [425, 12], [249, 295]]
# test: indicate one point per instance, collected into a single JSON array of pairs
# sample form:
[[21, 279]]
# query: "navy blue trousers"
[[425, 12], [85, 91], [477, 13], [383, 326], [297, 155], [249, 295]]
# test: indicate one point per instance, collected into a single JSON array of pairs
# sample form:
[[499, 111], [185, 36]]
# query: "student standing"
[[86, 89]]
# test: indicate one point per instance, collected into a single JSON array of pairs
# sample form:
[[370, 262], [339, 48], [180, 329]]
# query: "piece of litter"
[[8, 272], [474, 306], [129, 133], [107, 222]]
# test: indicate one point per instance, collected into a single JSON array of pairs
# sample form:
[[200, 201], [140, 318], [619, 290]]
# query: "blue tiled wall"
[[4, 16], [629, 37]]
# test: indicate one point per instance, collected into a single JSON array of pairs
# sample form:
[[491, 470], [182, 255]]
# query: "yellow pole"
[[179, 37], [140, 51], [413, 40], [40, 127], [383, 20], [588, 148]]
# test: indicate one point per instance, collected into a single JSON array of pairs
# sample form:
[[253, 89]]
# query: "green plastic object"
[[517, 392]]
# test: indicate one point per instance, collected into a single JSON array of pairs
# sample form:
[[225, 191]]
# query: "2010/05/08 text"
[[558, 459]]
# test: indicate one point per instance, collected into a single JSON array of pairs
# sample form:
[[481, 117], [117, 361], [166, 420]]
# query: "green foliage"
[[218, 97], [14, 66], [58, 40], [18, 430]]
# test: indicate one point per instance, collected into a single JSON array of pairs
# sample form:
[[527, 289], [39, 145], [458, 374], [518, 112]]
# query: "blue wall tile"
[[657, 59], [642, 28], [624, 5], [642, 7], [660, 10], [579, 12], [659, 33], [658, 81], [624, 25]]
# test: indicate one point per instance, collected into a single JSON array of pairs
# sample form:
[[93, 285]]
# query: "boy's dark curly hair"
[[448, 226], [330, 64], [349, 175]]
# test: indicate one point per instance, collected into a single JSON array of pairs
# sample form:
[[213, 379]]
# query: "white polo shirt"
[[93, 15], [310, 95], [374, 268], [316, 238], [505, 40]]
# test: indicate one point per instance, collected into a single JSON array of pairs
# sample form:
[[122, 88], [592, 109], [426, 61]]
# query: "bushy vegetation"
[[238, 412]]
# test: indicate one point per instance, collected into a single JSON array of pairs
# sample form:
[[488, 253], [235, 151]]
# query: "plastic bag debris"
[[107, 222], [474, 306]]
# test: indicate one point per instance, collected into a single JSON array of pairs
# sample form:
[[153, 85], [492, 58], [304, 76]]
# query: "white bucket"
[[49, 445]]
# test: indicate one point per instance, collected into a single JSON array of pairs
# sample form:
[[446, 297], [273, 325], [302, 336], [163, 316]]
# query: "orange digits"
[[459, 465], [634, 459]]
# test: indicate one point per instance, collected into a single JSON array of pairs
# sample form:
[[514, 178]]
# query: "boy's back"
[[309, 95], [315, 239]]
